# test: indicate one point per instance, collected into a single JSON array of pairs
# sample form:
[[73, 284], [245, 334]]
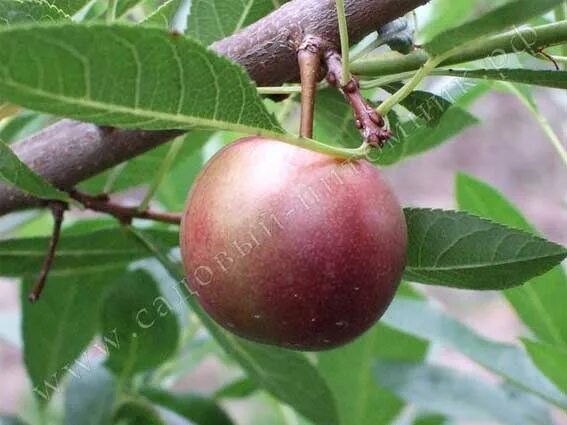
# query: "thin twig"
[[368, 121], [58, 211], [123, 214], [309, 59]]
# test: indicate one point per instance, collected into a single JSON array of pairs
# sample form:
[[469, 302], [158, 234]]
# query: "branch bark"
[[69, 152]]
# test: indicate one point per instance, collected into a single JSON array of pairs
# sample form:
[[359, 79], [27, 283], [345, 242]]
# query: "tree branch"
[[69, 152]]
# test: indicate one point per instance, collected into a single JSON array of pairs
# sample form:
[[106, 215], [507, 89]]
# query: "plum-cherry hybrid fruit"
[[290, 247]]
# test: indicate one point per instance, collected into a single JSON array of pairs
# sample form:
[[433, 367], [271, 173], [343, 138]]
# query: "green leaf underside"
[[95, 252], [513, 13], [348, 370], [89, 397], [19, 11], [163, 15], [539, 302], [13, 171], [127, 76], [464, 251], [423, 320], [550, 360], [198, 409], [57, 329], [552, 79], [211, 20], [448, 392], [139, 316]]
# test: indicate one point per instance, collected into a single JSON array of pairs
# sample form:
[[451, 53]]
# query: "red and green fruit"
[[290, 247]]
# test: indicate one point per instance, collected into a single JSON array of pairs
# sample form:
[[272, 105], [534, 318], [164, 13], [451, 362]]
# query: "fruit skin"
[[326, 244]]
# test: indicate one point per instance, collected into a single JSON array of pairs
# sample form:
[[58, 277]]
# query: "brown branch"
[[368, 121], [309, 59], [123, 214], [58, 211], [69, 152]]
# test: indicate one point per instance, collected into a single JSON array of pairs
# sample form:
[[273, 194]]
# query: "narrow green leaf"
[[450, 393], [163, 15], [124, 6], [158, 80], [139, 316], [414, 137], [90, 396], [550, 360], [11, 420], [515, 12], [15, 172], [446, 14], [143, 168], [359, 400], [136, 411], [23, 125], [427, 106], [20, 11], [287, 375], [459, 250], [197, 409], [211, 20], [335, 125], [58, 328], [430, 420], [423, 320], [539, 302], [70, 7], [239, 388], [552, 79], [96, 252]]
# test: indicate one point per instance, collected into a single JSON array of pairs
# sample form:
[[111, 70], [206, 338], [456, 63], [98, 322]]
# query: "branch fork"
[[313, 55]]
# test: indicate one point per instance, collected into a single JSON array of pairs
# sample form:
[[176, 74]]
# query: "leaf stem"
[[543, 122], [162, 172], [111, 11], [386, 106], [561, 15], [345, 44]]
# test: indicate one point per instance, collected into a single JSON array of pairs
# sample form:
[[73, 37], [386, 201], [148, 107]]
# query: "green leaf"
[[15, 172], [23, 125], [58, 328], [11, 420], [512, 13], [239, 388], [414, 137], [197, 409], [427, 106], [448, 392], [430, 420], [423, 320], [460, 250], [163, 15], [96, 252], [552, 79], [89, 398], [136, 411], [334, 124], [158, 80], [20, 11], [287, 375], [211, 20], [358, 399], [70, 7], [539, 302], [124, 6], [143, 168], [140, 316], [550, 360], [446, 14]]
